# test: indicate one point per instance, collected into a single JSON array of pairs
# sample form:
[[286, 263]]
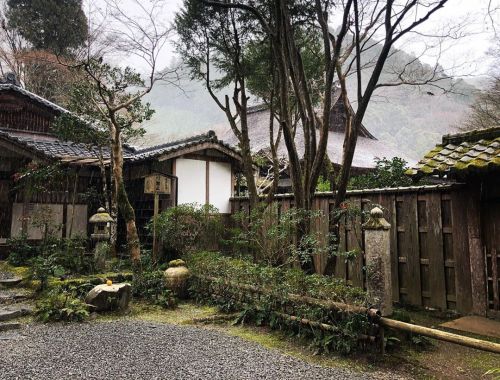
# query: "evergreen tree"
[[57, 26]]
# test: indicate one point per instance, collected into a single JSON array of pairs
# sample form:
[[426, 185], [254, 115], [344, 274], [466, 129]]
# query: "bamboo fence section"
[[373, 315]]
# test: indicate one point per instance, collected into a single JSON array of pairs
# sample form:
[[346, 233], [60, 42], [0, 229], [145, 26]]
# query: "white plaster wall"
[[79, 223], [35, 233], [192, 185], [219, 186]]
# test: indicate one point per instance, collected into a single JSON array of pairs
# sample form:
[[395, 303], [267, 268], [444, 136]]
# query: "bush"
[[188, 227], [270, 236], [57, 306], [387, 173], [279, 284], [21, 252], [151, 287]]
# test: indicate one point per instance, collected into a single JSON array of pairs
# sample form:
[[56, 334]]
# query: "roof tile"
[[476, 150]]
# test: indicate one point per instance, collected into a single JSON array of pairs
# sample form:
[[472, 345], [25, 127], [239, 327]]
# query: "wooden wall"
[[23, 114], [429, 243]]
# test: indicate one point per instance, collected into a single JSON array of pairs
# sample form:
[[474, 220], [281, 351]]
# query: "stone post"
[[378, 261]]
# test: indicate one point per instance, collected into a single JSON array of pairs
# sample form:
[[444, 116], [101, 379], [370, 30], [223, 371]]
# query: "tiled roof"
[[35, 97], [463, 152], [179, 145], [53, 148]]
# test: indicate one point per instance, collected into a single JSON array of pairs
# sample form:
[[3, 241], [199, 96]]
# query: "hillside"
[[406, 118]]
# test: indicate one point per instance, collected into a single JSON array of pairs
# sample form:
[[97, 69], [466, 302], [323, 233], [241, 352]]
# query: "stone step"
[[10, 312], [12, 296], [10, 282], [10, 326]]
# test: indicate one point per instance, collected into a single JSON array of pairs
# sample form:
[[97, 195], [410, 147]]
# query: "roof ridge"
[[257, 108], [210, 134], [471, 136]]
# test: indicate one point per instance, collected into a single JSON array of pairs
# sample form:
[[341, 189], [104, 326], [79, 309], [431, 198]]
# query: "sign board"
[[157, 184]]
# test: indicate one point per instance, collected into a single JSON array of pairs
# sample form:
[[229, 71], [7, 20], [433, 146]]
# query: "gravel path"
[[143, 350]]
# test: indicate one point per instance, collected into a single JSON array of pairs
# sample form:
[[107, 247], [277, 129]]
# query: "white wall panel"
[[220, 186], [192, 185], [35, 233]]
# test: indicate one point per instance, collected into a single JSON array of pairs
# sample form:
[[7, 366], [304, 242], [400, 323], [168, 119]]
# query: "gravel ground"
[[143, 350]]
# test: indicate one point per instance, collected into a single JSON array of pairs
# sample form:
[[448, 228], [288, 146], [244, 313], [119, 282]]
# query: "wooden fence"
[[429, 242]]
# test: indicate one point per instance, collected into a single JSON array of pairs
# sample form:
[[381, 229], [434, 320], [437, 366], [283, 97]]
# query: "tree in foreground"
[[356, 39], [111, 97]]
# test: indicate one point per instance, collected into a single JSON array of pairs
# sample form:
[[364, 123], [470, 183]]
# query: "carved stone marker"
[[378, 261]]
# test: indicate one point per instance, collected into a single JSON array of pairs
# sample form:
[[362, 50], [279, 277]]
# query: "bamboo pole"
[[216, 318], [319, 325], [374, 316], [441, 335]]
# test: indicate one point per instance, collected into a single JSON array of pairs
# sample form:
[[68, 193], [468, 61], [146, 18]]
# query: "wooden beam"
[[201, 147], [207, 182]]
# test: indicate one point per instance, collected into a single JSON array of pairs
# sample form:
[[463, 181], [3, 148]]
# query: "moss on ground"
[[287, 345], [17, 271], [183, 314]]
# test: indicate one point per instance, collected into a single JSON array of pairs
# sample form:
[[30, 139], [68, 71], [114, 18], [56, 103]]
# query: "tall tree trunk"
[[109, 203], [126, 209]]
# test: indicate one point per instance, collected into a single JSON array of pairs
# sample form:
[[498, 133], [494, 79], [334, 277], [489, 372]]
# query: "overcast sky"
[[471, 49]]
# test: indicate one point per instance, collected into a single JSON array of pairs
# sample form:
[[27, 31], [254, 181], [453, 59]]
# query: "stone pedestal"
[[378, 261]]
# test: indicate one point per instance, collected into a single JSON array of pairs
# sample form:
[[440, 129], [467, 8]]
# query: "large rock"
[[109, 297], [14, 311], [10, 282]]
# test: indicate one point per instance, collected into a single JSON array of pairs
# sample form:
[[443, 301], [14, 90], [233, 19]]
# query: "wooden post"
[[378, 261], [155, 215], [476, 253]]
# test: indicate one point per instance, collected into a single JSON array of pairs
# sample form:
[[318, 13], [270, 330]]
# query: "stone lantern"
[[101, 221]]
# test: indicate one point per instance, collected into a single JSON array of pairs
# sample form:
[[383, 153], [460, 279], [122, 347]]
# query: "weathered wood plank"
[[435, 248], [477, 262], [409, 248], [460, 252], [340, 264], [355, 242]]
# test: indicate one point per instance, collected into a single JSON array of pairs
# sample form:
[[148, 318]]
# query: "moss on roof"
[[475, 150]]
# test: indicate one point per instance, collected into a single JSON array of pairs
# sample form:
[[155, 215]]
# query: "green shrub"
[[21, 251], [286, 280], [42, 268], [270, 236], [387, 173], [279, 283], [151, 287], [188, 227], [61, 306]]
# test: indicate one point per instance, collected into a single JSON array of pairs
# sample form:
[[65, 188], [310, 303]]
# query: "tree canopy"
[[57, 26]]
